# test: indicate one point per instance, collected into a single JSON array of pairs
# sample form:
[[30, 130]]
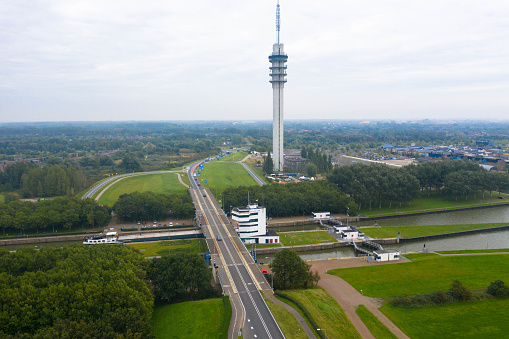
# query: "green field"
[[192, 319], [426, 273], [375, 326], [327, 313], [234, 156], [158, 183], [2, 198], [477, 319], [475, 251], [305, 238], [286, 321], [435, 202], [151, 249], [421, 231], [221, 175]]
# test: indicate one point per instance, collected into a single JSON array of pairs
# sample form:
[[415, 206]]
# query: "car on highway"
[[219, 238], [199, 184], [204, 195]]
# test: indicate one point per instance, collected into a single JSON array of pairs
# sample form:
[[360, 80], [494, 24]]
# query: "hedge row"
[[302, 308]]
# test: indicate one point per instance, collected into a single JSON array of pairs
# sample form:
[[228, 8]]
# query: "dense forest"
[[378, 185], [55, 214], [75, 292], [291, 199], [138, 206]]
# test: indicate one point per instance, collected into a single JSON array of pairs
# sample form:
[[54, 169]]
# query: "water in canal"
[[477, 216], [479, 241]]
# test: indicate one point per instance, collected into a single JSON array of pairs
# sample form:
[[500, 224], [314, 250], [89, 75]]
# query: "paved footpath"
[[348, 297]]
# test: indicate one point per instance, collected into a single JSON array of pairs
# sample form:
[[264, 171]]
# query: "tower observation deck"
[[277, 74]]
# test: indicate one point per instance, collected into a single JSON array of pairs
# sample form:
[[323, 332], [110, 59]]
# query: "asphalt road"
[[240, 277], [255, 176]]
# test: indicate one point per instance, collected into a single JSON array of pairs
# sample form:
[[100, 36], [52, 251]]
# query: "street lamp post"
[[324, 330], [347, 211]]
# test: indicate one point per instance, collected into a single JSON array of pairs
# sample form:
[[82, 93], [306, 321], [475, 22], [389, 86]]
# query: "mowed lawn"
[[375, 326], [234, 156], [286, 321], [155, 248], [477, 319], [305, 238], [190, 320], [436, 201], [421, 231], [158, 183], [327, 313], [427, 272], [221, 175]]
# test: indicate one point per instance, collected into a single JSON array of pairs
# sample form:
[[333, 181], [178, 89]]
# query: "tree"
[[181, 275], [459, 292], [290, 271], [498, 289], [268, 165], [311, 169], [130, 164]]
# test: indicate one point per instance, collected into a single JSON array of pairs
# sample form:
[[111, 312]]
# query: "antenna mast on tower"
[[278, 21]]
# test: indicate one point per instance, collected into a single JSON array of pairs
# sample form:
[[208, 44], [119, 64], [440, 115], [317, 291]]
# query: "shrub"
[[459, 292], [498, 289], [441, 297]]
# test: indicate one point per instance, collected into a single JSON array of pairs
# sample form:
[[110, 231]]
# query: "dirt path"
[[181, 181], [348, 297]]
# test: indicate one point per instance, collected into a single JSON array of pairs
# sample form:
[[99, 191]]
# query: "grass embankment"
[[430, 272], [151, 249], [192, 319], [185, 179], [286, 321], [326, 312], [426, 273], [477, 319], [158, 183], [234, 156], [305, 238], [2, 198], [267, 245], [475, 251], [221, 175], [435, 202], [375, 326], [422, 231]]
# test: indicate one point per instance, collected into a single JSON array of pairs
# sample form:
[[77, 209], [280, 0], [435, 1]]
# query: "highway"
[[241, 278]]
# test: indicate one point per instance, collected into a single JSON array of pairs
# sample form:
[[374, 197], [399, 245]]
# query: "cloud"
[[108, 60]]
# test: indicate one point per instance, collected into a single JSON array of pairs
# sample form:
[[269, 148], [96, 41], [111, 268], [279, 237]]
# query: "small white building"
[[350, 234], [386, 255], [321, 215], [251, 225], [340, 228]]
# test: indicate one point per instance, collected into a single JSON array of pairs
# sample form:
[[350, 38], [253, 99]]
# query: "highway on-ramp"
[[240, 277]]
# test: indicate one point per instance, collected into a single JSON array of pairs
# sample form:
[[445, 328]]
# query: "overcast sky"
[[63, 60]]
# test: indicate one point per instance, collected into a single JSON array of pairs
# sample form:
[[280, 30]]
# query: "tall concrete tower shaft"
[[277, 59]]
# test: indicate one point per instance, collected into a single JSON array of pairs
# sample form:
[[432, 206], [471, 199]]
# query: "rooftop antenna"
[[278, 21]]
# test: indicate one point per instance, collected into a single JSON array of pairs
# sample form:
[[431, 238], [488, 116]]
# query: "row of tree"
[[53, 214], [138, 206], [377, 185], [317, 161], [75, 292], [292, 199], [374, 185]]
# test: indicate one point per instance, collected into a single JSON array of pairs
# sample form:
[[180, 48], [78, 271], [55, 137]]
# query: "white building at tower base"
[[250, 222]]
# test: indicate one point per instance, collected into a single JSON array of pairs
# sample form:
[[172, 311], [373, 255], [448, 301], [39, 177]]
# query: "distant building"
[[320, 215], [251, 225]]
